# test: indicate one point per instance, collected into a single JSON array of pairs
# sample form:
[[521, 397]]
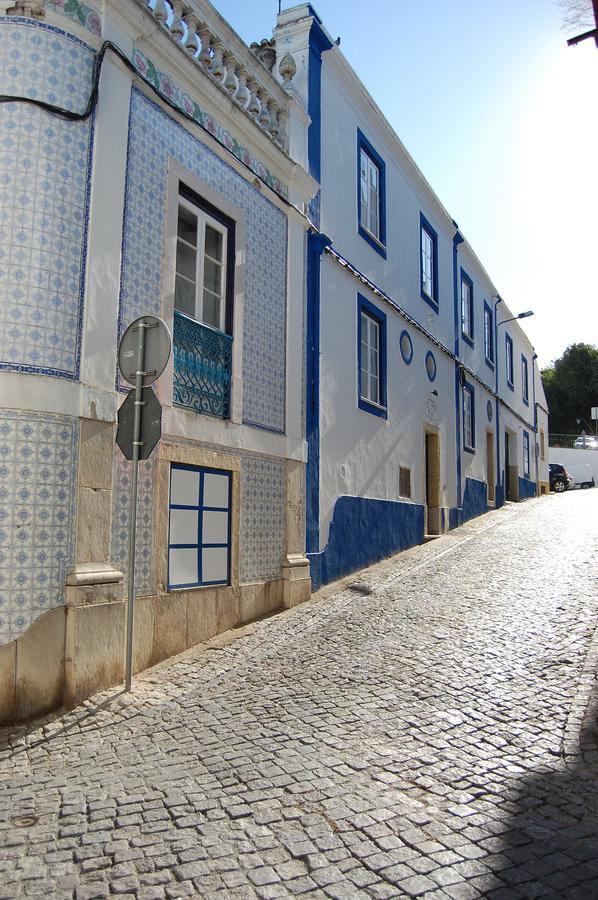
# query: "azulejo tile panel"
[[154, 137], [168, 88], [78, 12], [121, 499], [38, 459], [44, 195], [262, 519]]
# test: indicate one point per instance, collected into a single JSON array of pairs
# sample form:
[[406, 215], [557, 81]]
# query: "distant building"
[[175, 196], [424, 409]]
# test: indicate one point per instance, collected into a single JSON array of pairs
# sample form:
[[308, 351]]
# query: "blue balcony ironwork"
[[202, 367]]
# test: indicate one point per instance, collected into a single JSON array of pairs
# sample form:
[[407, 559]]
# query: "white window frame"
[[526, 455], [466, 308], [524, 379], [203, 220], [368, 326], [427, 263], [488, 335], [468, 418], [368, 204]]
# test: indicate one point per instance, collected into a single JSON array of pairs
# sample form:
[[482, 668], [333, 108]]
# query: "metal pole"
[[133, 509]]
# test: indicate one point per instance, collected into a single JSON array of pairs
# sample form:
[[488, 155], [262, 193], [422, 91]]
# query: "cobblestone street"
[[426, 728]]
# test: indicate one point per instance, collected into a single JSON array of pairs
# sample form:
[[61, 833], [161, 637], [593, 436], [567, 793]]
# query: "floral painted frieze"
[[78, 12], [165, 85]]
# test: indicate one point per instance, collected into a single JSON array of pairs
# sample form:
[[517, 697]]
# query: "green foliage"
[[571, 386]]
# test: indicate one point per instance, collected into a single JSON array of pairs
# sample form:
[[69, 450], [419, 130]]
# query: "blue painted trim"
[[363, 531], [467, 335], [488, 335], [424, 226], [527, 468], [315, 247], [318, 44], [432, 369], [524, 380], [527, 489], [457, 239], [200, 508], [407, 357], [468, 388], [509, 368], [364, 144], [364, 305]]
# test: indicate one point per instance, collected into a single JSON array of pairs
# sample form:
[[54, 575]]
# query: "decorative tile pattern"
[[154, 137], [262, 525], [38, 459], [44, 195], [78, 12], [189, 105], [121, 499]]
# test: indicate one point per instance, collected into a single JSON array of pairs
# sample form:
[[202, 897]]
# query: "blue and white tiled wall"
[[121, 499], [38, 460], [153, 138], [44, 191], [262, 525]]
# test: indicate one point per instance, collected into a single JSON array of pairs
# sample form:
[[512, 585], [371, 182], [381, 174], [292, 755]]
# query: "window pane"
[[215, 490], [184, 487], [211, 309], [187, 226], [215, 564], [183, 526], [184, 296], [186, 260], [214, 242], [215, 527], [182, 567], [212, 276]]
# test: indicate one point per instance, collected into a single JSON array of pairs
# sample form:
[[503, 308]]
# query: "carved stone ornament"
[[265, 52], [32, 9], [288, 69]]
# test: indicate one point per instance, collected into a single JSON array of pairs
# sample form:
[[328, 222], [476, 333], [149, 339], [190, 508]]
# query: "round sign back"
[[156, 351]]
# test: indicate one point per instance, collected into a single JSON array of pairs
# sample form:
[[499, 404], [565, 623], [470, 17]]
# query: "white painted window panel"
[[215, 564], [183, 526], [215, 490], [215, 527], [184, 487], [182, 567]]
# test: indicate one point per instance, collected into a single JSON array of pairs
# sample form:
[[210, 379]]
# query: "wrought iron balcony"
[[202, 367]]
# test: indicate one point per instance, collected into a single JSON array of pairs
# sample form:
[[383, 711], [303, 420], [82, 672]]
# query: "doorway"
[[507, 468], [432, 484], [490, 466]]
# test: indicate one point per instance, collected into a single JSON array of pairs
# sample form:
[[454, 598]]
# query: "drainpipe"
[[457, 239], [499, 482]]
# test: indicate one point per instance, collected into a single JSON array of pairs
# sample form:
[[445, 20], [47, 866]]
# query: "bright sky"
[[502, 118]]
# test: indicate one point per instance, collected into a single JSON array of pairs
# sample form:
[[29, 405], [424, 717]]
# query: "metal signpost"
[[142, 356]]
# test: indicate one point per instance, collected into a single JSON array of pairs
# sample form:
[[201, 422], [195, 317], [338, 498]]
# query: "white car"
[[586, 441]]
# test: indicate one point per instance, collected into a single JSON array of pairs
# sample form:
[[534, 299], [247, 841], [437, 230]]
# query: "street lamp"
[[523, 315]]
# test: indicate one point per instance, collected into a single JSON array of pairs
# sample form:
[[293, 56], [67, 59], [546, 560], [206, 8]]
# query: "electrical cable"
[[72, 116]]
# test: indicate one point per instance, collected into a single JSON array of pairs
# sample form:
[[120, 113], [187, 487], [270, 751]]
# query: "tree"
[[571, 386]]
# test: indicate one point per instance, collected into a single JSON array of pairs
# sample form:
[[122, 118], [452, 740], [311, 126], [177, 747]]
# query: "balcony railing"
[[202, 367]]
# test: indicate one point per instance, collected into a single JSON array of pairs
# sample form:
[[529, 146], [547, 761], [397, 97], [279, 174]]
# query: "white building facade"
[[152, 175], [416, 420]]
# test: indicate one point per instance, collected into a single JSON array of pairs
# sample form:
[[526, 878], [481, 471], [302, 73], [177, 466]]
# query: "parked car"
[[582, 475], [586, 441], [559, 478]]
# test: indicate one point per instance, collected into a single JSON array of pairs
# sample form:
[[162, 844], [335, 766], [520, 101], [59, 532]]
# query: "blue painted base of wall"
[[362, 532], [500, 496], [475, 502], [527, 489]]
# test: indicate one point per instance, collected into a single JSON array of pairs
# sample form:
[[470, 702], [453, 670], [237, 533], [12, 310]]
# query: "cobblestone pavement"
[[427, 732]]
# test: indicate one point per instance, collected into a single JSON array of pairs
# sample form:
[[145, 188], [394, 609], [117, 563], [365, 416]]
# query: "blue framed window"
[[371, 195], [509, 360], [488, 335], [371, 357], [199, 534], [466, 307], [468, 418], [526, 461], [524, 380], [428, 262]]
